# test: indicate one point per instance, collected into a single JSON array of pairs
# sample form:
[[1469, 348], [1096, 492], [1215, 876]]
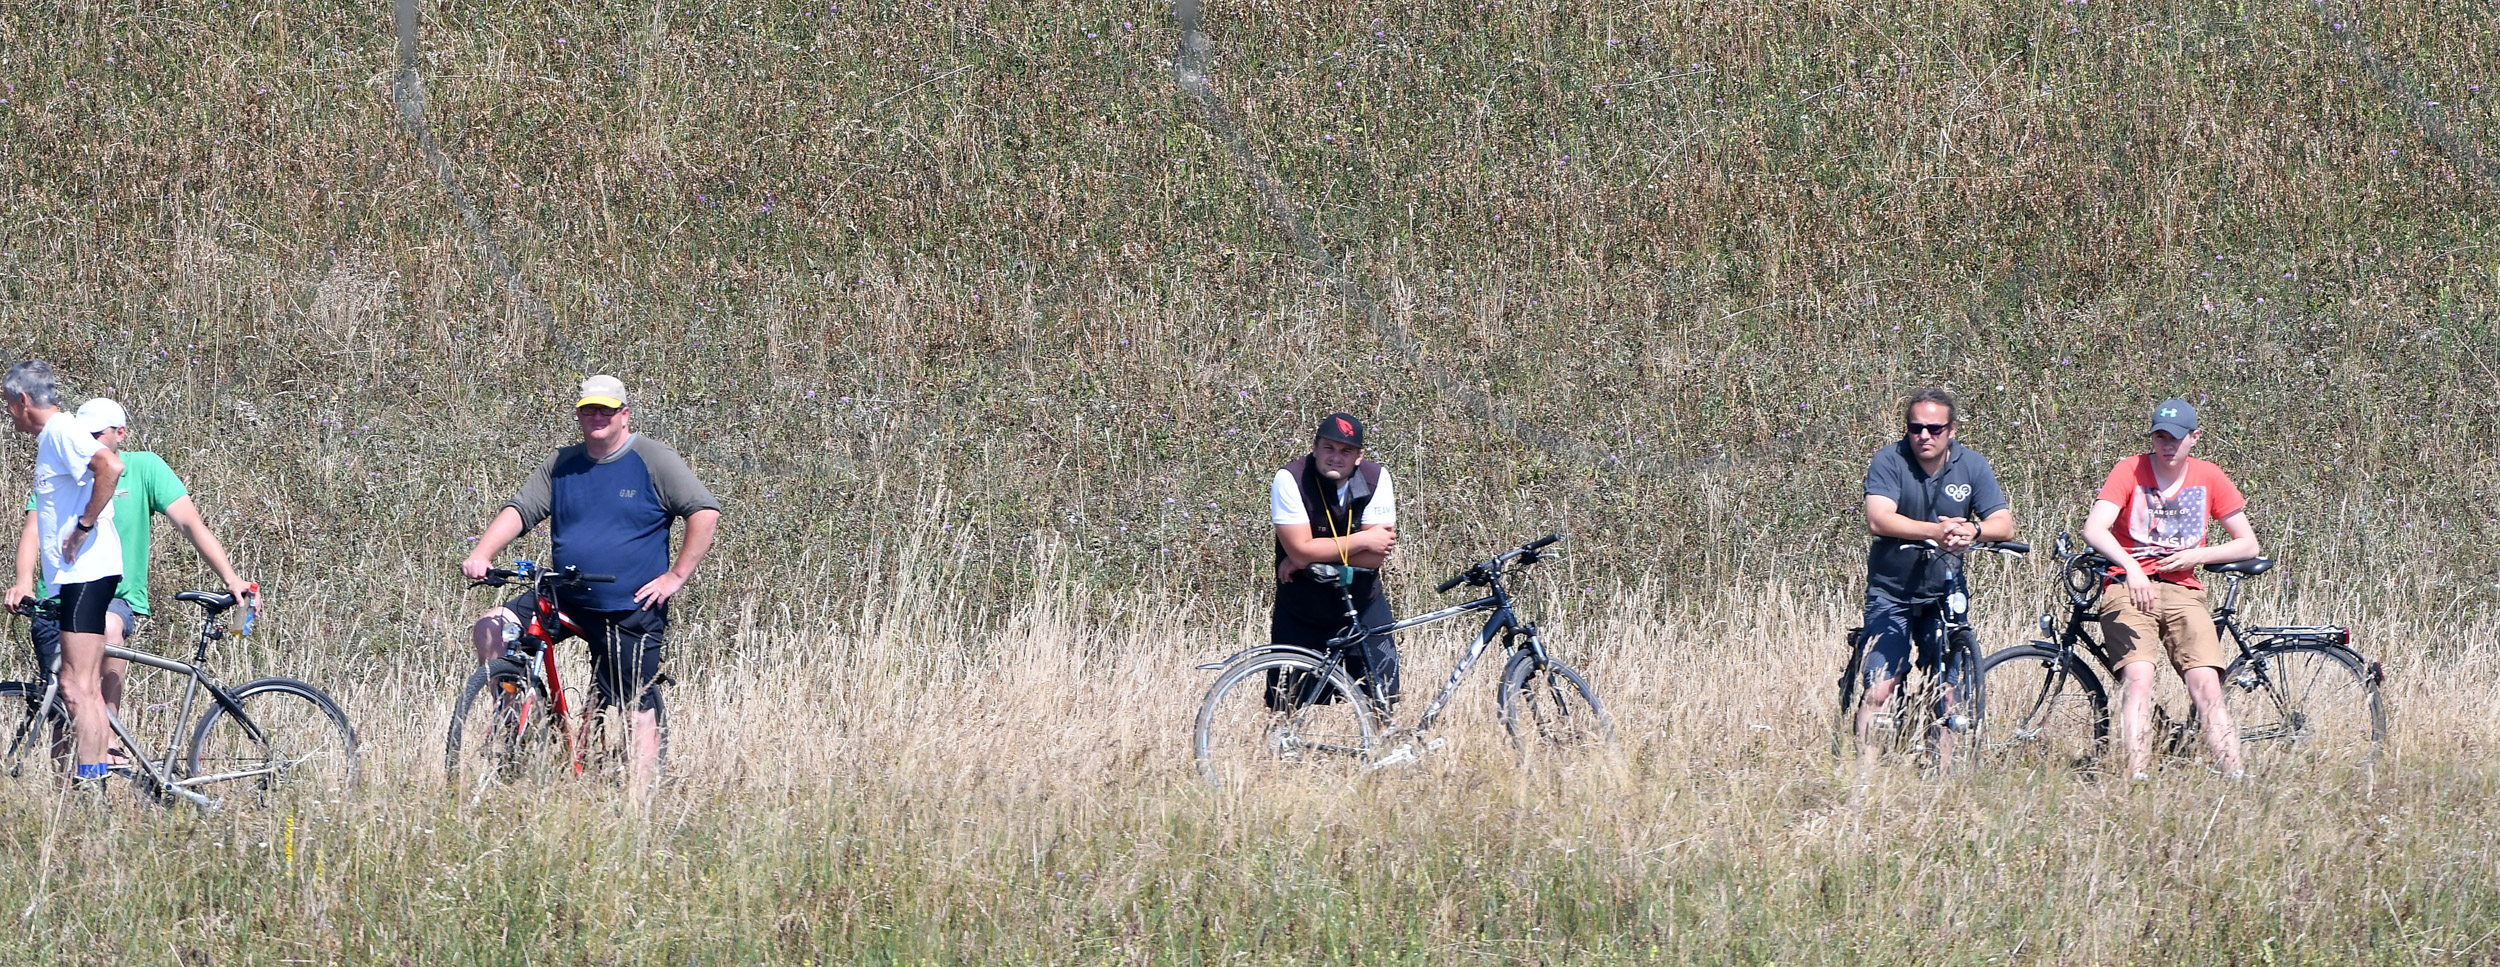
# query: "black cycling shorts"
[[624, 648], [46, 633], [83, 605]]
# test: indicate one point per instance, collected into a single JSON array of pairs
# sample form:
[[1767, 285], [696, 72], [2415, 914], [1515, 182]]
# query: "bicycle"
[[1922, 719], [522, 726], [2299, 693], [260, 735], [1279, 707]]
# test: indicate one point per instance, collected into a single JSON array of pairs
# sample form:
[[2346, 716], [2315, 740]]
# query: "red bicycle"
[[513, 717]]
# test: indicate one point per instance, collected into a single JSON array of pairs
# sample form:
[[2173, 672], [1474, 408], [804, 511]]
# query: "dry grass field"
[[983, 327]]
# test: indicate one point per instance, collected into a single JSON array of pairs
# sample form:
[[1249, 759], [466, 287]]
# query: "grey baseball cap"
[[2175, 417]]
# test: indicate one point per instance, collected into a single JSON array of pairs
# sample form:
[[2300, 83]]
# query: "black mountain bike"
[[2300, 694], [513, 716], [1929, 714], [1278, 708], [253, 738]]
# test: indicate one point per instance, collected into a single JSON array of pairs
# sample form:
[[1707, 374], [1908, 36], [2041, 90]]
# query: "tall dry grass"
[[879, 782], [977, 330]]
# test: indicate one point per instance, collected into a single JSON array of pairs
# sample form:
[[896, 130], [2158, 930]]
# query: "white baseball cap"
[[100, 414], [602, 390]]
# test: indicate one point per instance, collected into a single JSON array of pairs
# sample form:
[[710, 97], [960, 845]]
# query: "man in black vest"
[[1334, 507]]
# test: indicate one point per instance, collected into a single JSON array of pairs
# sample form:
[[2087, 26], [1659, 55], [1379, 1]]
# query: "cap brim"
[[606, 401]]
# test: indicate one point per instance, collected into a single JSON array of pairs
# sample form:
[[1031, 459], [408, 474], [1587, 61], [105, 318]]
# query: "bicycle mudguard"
[[1271, 647]]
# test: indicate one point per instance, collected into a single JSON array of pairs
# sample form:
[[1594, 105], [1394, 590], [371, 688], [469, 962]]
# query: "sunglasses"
[[1928, 429]]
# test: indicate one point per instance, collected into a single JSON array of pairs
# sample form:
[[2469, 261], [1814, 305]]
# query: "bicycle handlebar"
[[499, 577], [1484, 572], [2007, 548]]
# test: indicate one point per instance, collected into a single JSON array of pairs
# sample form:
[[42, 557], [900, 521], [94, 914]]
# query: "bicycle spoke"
[[2305, 706]]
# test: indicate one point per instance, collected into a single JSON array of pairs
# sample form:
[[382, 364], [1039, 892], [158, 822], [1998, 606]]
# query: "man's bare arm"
[[1367, 547], [499, 534], [29, 554], [1998, 526], [187, 522], [2242, 546], [700, 526], [107, 467]]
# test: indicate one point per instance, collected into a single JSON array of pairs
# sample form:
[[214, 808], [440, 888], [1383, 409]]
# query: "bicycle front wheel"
[[2305, 705], [1281, 714], [502, 726], [2041, 707], [33, 747], [1549, 709], [278, 731]]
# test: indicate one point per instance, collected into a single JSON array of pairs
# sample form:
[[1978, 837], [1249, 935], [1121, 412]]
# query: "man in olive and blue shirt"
[[1927, 487], [609, 503]]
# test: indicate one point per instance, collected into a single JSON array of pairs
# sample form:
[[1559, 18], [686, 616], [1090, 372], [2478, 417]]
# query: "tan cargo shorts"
[[2180, 624]]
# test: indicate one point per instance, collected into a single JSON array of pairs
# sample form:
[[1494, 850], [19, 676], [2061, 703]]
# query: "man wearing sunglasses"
[[2150, 518], [1927, 487]]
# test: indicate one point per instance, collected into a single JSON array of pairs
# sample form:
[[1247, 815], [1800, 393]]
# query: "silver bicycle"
[[1278, 708], [250, 739]]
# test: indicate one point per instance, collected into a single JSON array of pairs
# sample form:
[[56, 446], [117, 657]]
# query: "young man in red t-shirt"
[[2150, 518]]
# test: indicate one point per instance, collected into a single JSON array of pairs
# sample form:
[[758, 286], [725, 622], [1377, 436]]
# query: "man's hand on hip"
[[658, 592]]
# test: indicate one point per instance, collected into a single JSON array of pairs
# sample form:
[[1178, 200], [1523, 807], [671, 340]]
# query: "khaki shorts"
[[2179, 623]]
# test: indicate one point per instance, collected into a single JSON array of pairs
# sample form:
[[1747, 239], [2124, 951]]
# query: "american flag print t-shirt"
[[2153, 526]]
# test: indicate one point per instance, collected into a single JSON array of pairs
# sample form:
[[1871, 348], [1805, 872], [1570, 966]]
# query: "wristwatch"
[[84, 526]]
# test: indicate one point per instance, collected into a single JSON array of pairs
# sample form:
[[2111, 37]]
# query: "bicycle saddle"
[[2249, 568], [214, 601]]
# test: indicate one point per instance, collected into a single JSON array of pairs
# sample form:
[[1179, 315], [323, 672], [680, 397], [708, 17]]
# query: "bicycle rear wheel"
[[1549, 709], [1282, 714], [278, 732], [2041, 707], [502, 726], [2305, 705], [30, 745]]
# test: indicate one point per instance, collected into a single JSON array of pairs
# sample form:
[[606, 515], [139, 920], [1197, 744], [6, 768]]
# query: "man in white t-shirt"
[[82, 561], [1334, 507]]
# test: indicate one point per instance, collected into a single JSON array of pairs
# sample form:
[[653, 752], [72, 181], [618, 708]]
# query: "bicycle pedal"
[[1403, 755]]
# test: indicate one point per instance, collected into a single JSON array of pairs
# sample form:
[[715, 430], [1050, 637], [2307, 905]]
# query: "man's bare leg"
[[646, 745], [1876, 695], [82, 670], [116, 670], [2222, 735], [2135, 715]]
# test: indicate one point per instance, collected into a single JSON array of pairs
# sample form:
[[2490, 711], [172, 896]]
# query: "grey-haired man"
[[147, 487], [74, 478]]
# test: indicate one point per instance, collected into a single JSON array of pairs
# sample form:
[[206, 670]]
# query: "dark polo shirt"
[[1965, 488]]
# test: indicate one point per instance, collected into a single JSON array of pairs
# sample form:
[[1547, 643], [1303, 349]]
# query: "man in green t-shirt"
[[147, 487]]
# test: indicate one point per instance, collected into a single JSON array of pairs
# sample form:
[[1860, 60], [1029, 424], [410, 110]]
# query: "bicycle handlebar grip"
[[2013, 547], [598, 578], [1454, 581], [1542, 542]]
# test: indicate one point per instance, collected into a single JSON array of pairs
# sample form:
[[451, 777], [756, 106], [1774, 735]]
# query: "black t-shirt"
[[1966, 488]]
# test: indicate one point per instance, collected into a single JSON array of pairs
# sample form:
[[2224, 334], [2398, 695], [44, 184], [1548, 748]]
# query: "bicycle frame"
[[539, 632], [1504, 621], [158, 772]]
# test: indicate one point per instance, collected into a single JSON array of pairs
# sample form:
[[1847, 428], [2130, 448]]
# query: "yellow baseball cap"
[[602, 390]]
